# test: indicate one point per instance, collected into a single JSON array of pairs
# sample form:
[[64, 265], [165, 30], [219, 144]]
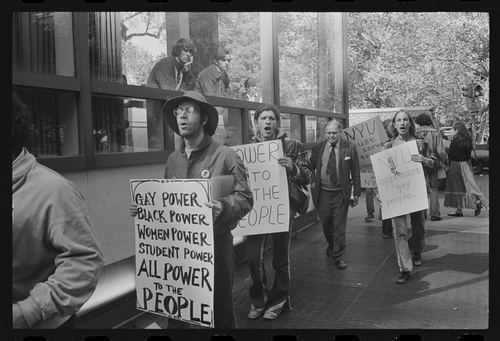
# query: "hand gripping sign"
[[174, 249], [400, 181], [268, 181]]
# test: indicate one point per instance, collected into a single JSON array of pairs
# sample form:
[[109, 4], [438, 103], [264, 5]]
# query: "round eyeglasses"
[[189, 111]]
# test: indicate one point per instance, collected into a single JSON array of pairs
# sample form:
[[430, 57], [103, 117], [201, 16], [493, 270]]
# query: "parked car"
[[481, 158]]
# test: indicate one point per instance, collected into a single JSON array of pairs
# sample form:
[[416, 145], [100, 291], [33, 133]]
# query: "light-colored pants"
[[409, 236]]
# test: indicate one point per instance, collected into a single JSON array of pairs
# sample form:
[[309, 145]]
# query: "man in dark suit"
[[337, 168]]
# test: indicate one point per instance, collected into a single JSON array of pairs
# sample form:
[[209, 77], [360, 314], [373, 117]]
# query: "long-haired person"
[[462, 190], [409, 234]]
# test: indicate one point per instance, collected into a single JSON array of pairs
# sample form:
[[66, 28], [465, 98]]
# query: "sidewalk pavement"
[[448, 292]]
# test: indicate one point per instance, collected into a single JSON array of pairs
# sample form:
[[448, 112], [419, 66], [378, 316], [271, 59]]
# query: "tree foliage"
[[399, 59], [395, 59]]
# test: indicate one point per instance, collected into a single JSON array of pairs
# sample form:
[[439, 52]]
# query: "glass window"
[[290, 124], [315, 128], [127, 125], [310, 60], [43, 42], [215, 53], [54, 122]]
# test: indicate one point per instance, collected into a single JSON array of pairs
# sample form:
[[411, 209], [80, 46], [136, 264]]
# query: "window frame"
[[85, 87]]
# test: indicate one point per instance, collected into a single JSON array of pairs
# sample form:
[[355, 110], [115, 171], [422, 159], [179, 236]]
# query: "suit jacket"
[[348, 169]]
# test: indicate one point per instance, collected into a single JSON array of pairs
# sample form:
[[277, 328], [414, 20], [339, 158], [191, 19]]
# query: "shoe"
[[369, 218], [478, 210], [386, 236], [403, 278], [272, 314], [340, 264], [417, 261], [433, 218], [455, 214], [255, 312], [329, 251]]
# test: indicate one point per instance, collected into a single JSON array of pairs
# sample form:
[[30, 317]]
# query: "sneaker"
[[369, 218], [272, 314], [417, 259], [403, 278], [255, 312]]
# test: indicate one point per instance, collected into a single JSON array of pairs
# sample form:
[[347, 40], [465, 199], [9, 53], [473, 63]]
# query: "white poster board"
[[369, 137], [268, 181], [400, 181], [174, 249]]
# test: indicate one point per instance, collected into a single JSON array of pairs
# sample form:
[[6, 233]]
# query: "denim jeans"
[[279, 294]]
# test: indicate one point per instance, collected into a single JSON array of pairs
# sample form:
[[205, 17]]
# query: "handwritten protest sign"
[[369, 137], [368, 180], [269, 186], [400, 181], [174, 249]]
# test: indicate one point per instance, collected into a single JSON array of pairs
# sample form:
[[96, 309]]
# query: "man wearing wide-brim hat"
[[200, 157]]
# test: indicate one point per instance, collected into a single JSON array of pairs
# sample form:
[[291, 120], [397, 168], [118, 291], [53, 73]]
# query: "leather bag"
[[299, 197]]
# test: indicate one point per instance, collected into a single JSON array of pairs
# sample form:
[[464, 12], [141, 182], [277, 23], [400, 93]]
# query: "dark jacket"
[[165, 75], [212, 82], [458, 154], [348, 169], [217, 160], [435, 141]]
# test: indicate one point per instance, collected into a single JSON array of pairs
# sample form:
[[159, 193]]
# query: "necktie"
[[332, 165]]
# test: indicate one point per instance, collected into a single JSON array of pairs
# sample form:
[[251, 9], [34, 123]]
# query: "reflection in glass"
[[229, 129], [105, 47], [126, 46], [310, 55], [315, 128], [127, 125], [290, 124], [43, 42], [54, 122]]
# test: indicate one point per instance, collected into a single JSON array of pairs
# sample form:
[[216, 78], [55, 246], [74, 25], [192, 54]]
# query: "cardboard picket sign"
[[400, 181], [174, 249], [369, 137], [268, 181]]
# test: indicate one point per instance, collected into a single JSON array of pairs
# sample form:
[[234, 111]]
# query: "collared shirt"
[[325, 177]]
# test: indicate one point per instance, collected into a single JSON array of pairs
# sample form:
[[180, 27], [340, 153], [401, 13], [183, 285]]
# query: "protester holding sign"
[[199, 157], [409, 238], [267, 119], [387, 223], [337, 171]]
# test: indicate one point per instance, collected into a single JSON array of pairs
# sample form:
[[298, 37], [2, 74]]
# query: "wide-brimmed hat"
[[207, 108]]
